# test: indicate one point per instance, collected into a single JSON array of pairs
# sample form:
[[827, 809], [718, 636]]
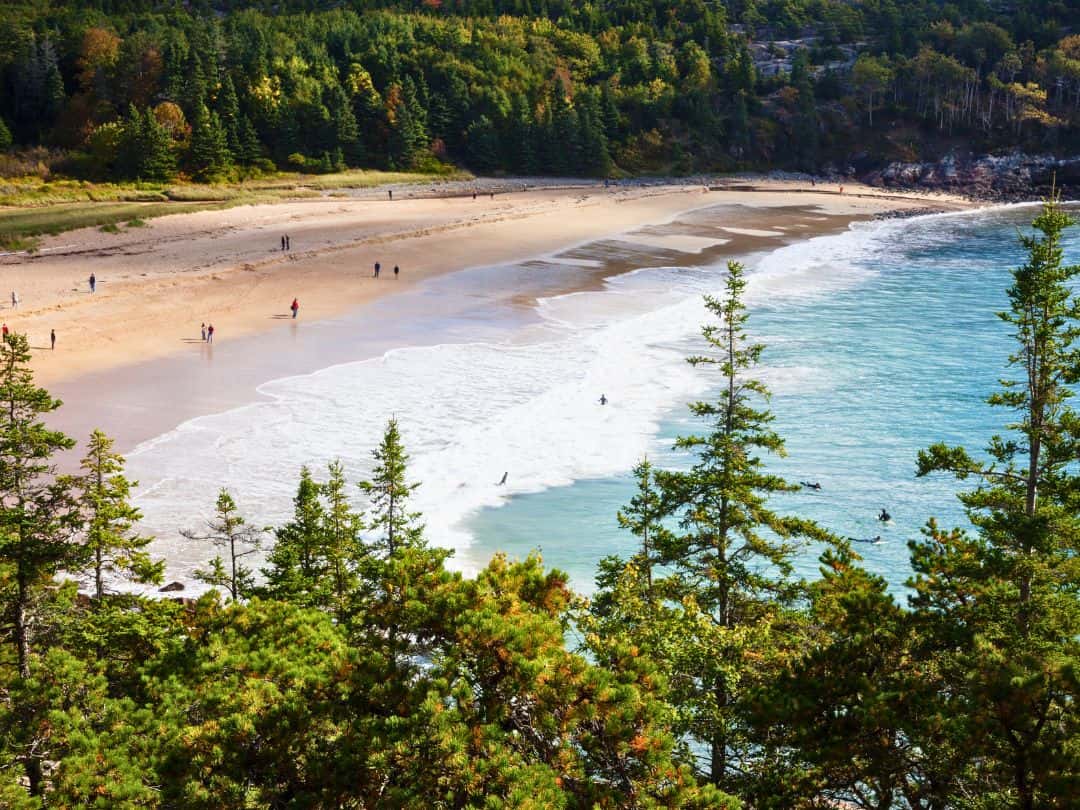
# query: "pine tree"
[[228, 529], [158, 160], [209, 153], [109, 519], [38, 517], [564, 145], [482, 145], [643, 517], [595, 159], [389, 492], [37, 514], [54, 95], [1001, 606], [228, 112], [346, 132], [129, 151], [250, 148], [732, 555], [296, 565], [806, 125], [343, 548]]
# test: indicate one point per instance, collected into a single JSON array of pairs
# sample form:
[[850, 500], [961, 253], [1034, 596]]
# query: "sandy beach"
[[158, 283]]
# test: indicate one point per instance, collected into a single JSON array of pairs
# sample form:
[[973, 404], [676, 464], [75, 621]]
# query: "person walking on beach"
[[390, 192], [210, 333], [4, 333], [203, 325], [14, 300], [396, 271], [377, 268], [288, 243], [52, 339], [283, 244], [93, 283], [295, 307]]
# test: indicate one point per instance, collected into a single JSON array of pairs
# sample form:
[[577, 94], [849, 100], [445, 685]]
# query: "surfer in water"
[[603, 400], [874, 540], [884, 517], [809, 485], [503, 479]]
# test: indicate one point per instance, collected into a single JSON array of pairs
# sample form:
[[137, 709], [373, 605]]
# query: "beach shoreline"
[[155, 285]]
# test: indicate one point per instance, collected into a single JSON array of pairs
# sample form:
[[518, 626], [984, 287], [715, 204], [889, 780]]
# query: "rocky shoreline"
[[1015, 177]]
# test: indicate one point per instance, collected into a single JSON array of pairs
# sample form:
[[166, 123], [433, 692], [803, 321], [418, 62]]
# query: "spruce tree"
[[209, 153], [1000, 605], [38, 521], [38, 518], [389, 491], [342, 546], [130, 148], [158, 160], [228, 529], [250, 148], [731, 557], [643, 517], [595, 159], [296, 565], [109, 517], [228, 111]]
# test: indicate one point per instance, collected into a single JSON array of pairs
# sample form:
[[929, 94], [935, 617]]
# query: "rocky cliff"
[[1008, 177]]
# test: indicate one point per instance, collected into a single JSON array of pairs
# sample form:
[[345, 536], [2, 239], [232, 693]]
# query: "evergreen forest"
[[215, 90], [353, 669]]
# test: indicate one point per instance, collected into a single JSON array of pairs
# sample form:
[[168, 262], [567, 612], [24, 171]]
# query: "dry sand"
[[156, 284]]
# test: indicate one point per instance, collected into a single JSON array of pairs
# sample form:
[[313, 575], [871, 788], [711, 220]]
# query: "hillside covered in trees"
[[212, 89]]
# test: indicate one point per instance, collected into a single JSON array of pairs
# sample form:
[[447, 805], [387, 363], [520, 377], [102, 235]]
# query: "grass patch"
[[10, 242], [19, 227], [30, 208]]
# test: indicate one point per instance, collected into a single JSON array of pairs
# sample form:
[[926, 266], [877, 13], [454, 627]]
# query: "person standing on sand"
[[396, 271], [93, 283], [282, 244], [4, 332], [14, 300], [210, 333], [377, 268], [288, 243], [52, 339], [390, 192], [203, 325], [295, 307]]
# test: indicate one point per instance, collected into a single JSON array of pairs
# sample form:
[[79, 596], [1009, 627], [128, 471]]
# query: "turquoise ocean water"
[[888, 343]]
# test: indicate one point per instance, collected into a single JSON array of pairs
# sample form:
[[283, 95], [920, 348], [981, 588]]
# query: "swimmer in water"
[[874, 540], [503, 479], [603, 400], [809, 485], [884, 517]]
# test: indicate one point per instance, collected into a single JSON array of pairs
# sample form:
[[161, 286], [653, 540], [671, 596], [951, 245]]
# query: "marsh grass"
[[31, 208]]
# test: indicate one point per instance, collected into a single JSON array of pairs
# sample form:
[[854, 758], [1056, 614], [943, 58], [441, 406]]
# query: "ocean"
[[880, 340]]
